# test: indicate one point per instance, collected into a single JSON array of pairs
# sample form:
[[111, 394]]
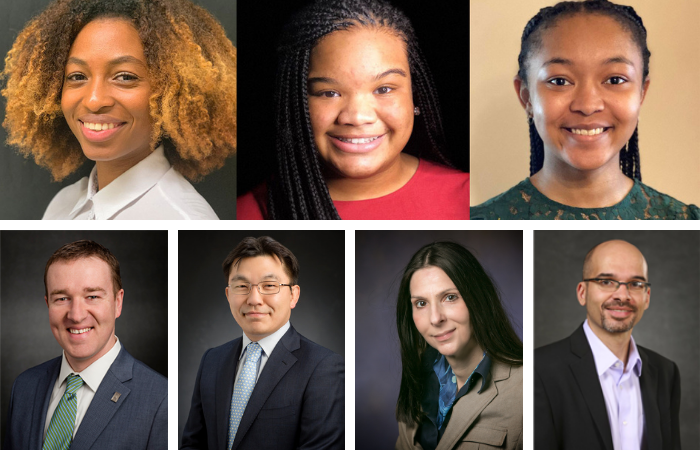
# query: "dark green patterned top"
[[525, 202]]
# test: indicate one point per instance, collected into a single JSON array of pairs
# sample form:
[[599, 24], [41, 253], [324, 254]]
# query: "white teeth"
[[359, 141], [588, 132], [84, 330], [99, 126]]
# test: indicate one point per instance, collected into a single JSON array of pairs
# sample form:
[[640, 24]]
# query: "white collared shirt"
[[621, 390], [267, 344], [92, 377], [151, 189]]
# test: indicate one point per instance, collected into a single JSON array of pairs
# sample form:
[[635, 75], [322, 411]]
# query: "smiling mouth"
[[593, 132], [444, 336], [357, 140], [100, 126], [80, 330]]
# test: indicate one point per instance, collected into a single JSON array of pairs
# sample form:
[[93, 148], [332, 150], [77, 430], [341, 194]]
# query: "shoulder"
[[511, 204], [315, 351], [181, 198], [32, 376], [433, 170], [661, 363], [252, 205], [662, 206], [552, 355], [63, 202]]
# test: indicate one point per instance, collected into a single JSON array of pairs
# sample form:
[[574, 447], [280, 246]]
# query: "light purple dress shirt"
[[623, 396]]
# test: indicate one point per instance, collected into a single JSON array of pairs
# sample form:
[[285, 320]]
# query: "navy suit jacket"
[[298, 401], [570, 408], [137, 420]]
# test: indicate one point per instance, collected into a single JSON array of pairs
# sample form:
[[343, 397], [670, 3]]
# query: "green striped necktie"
[[60, 433]]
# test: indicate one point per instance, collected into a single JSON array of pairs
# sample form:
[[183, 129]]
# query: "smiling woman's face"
[[106, 90], [360, 100], [584, 91]]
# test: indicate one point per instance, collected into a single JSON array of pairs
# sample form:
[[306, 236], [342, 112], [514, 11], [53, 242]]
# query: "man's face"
[[257, 314], [83, 308], [618, 311]]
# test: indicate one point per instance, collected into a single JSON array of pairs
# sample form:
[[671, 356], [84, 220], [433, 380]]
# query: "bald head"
[[604, 257]]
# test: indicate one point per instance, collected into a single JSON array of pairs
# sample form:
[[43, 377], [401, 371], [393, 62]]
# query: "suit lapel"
[[649, 384], [102, 408], [224, 391], [277, 365], [584, 371], [41, 403], [465, 411]]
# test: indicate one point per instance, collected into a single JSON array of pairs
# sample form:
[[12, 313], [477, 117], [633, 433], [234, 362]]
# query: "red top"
[[434, 192]]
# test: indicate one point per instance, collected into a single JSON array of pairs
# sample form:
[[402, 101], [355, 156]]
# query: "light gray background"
[[380, 259], [26, 189], [671, 325], [205, 319], [26, 337]]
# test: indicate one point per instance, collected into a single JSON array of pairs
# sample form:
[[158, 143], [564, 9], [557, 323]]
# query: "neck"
[[464, 365], [108, 171], [618, 343], [382, 183], [602, 187], [80, 365]]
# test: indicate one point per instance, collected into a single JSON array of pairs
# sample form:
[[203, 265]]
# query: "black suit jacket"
[[298, 401], [570, 408]]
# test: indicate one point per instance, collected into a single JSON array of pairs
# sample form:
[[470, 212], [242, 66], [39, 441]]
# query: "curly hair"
[[531, 39], [191, 67], [298, 190]]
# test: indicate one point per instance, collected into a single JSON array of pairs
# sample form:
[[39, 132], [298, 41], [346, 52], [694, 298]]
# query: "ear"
[[296, 292], [581, 293], [523, 94], [645, 88], [646, 302], [118, 300]]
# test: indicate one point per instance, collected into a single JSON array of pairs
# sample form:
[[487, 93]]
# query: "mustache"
[[620, 304]]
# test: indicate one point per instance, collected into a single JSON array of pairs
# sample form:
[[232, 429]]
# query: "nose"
[[98, 95], [620, 293], [436, 314], [77, 311], [255, 297], [358, 110], [587, 99]]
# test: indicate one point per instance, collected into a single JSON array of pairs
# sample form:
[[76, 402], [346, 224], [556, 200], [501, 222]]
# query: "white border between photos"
[[350, 227]]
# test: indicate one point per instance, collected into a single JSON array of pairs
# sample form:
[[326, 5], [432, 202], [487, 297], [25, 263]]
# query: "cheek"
[[321, 116]]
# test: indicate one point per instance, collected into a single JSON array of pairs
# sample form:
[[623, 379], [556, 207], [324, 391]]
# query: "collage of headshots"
[[278, 250]]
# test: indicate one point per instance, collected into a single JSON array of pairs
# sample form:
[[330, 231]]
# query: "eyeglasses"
[[264, 287], [609, 285]]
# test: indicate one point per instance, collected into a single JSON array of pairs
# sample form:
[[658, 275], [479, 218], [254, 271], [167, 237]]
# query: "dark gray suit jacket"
[[570, 408], [137, 420], [298, 401]]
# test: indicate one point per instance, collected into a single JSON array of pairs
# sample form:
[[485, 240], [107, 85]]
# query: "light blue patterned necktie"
[[243, 389], [60, 433]]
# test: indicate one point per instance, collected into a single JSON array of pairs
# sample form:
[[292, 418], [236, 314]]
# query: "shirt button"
[[617, 364], [624, 423]]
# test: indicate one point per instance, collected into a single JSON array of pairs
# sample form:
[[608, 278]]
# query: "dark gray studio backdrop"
[[205, 319], [26, 339], [380, 258], [671, 325], [26, 189]]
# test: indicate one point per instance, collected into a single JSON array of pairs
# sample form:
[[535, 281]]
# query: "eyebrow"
[[610, 275], [568, 62], [87, 290], [264, 277], [126, 59], [439, 295], [376, 78]]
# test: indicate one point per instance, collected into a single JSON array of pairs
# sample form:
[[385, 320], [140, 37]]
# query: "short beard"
[[614, 326]]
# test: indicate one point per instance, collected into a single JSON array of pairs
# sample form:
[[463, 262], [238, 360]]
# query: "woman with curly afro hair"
[[145, 88]]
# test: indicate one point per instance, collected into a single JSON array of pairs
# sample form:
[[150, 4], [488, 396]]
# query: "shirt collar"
[[268, 343], [126, 188], [93, 374], [605, 358], [482, 369]]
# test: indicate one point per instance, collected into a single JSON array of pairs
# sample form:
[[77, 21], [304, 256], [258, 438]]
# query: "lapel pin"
[[116, 396]]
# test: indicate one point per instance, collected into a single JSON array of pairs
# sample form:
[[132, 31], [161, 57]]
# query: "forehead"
[[107, 39], [256, 267], [358, 52], [429, 279], [623, 260], [86, 271], [587, 40]]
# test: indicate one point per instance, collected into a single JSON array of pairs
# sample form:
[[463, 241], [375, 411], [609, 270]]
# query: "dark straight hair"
[[488, 319], [262, 246], [531, 39], [298, 188]]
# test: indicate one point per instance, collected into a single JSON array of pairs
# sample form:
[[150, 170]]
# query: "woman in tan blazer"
[[461, 381]]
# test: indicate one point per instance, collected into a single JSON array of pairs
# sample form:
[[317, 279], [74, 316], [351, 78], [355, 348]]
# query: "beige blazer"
[[490, 420]]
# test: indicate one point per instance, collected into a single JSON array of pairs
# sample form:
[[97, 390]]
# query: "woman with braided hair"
[[583, 75], [145, 88], [358, 129]]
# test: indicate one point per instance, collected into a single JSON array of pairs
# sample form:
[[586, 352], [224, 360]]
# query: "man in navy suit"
[[96, 395], [271, 388]]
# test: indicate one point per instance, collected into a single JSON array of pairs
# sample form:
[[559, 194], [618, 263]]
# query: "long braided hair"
[[298, 190], [532, 38]]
